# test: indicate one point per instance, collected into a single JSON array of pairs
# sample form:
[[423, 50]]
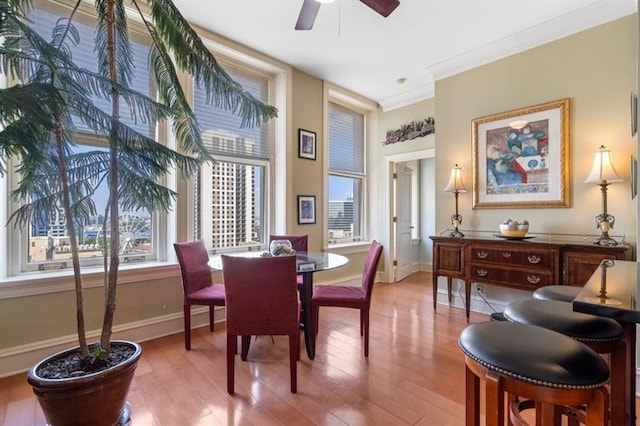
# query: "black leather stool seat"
[[563, 293], [534, 355], [560, 317]]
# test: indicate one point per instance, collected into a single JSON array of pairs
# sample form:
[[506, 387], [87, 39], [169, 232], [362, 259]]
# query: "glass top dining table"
[[612, 292], [307, 264]]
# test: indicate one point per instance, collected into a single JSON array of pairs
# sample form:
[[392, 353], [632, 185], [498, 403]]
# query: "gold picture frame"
[[521, 157]]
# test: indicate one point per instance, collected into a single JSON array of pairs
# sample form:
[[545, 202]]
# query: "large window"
[[232, 194], [346, 178], [47, 242]]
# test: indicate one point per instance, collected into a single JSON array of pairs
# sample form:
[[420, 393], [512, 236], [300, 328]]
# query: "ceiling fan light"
[[325, 1]]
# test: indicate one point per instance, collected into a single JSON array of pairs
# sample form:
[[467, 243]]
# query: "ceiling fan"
[[310, 9]]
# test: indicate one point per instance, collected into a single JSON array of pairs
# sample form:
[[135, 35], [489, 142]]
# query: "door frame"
[[390, 161]]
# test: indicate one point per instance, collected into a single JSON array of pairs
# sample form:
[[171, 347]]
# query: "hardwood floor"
[[414, 374]]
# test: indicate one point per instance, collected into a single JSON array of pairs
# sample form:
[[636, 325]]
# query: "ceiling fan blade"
[[383, 7], [308, 14]]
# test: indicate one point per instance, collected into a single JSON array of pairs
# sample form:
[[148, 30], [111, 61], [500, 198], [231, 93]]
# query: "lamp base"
[[605, 240], [456, 234]]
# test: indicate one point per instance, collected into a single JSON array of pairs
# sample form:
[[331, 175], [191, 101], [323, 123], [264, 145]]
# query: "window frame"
[[18, 260], [233, 65], [360, 105]]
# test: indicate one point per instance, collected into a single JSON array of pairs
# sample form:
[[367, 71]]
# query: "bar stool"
[[563, 293], [603, 335], [533, 363]]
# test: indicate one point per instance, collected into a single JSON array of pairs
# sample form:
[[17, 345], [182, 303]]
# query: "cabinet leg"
[[449, 286]]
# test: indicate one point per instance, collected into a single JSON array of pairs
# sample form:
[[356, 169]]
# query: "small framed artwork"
[[306, 209], [521, 157], [306, 144]]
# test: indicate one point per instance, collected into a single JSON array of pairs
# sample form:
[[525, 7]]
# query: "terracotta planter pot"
[[94, 399]]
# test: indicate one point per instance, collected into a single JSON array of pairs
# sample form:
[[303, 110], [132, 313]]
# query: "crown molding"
[[408, 97], [597, 13]]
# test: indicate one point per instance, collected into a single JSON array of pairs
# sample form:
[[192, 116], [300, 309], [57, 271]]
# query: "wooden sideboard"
[[520, 264]]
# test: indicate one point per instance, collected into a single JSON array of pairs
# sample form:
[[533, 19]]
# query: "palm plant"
[[39, 122]]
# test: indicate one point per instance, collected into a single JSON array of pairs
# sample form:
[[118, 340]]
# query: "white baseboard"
[[18, 359]]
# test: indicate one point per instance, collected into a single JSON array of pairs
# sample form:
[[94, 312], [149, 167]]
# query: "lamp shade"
[[455, 181], [603, 170]]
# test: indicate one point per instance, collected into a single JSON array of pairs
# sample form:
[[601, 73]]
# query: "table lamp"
[[603, 174], [456, 186]]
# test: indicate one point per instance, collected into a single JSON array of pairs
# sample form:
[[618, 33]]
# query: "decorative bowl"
[[281, 248], [514, 230]]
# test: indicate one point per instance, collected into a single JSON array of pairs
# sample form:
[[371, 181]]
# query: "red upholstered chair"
[[262, 299], [197, 283], [298, 243], [350, 296]]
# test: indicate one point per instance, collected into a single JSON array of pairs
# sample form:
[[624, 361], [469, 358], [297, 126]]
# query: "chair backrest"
[[193, 258], [298, 242], [371, 267], [261, 295]]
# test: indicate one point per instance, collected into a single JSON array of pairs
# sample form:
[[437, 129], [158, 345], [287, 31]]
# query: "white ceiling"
[[421, 41]]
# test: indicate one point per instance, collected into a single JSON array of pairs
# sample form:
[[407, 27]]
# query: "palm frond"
[[192, 55]]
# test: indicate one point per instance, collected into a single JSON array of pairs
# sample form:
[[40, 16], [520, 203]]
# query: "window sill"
[[35, 283], [349, 248]]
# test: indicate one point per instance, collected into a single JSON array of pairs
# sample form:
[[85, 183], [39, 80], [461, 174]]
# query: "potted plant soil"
[[89, 384]]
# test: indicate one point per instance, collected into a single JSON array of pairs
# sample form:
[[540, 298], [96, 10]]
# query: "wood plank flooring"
[[414, 374]]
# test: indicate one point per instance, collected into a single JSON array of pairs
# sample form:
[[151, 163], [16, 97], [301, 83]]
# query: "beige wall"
[[306, 178], [596, 69]]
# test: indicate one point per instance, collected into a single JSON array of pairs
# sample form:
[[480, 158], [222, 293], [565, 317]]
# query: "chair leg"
[[364, 313], [187, 326], [361, 322], [294, 353], [211, 321], [231, 354], [246, 342]]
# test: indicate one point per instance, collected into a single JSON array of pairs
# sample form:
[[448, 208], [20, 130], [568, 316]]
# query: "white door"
[[403, 226]]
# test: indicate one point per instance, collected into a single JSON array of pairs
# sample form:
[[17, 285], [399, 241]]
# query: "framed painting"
[[306, 209], [521, 157], [306, 144]]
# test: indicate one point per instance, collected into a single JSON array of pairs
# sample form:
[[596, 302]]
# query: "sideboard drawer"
[[520, 278], [533, 258]]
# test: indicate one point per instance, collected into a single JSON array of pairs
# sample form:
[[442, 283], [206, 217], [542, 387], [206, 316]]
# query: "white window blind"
[[346, 140], [221, 131], [44, 19]]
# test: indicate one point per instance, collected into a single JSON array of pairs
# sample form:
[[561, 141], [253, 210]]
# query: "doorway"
[[408, 231]]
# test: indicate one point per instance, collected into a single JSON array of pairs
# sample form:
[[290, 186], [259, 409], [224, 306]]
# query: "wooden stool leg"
[[547, 414], [598, 408], [472, 398], [494, 395]]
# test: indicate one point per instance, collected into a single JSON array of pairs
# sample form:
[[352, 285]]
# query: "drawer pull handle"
[[482, 272], [482, 254], [534, 259], [533, 279], [506, 254]]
